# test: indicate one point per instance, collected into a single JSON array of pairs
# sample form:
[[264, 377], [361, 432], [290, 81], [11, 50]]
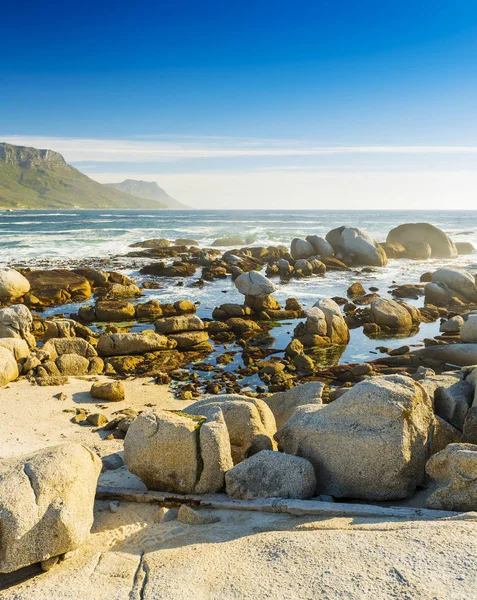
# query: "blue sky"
[[351, 103]]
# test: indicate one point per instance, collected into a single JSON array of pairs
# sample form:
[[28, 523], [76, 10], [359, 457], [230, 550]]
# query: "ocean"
[[51, 238]]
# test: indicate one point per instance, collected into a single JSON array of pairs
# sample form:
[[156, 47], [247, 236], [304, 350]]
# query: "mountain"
[[32, 178], [149, 190]]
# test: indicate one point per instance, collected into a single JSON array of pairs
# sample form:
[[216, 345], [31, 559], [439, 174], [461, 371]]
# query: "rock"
[[60, 328], [250, 423], [356, 290], [114, 311], [169, 452], [320, 246], [58, 286], [294, 348], [229, 241], [453, 474], [189, 516], [189, 339], [13, 284], [97, 419], [393, 249], [46, 504], [111, 390], [357, 245], [179, 324], [177, 269], [441, 245], [117, 344], [72, 364], [452, 325], [336, 326], [271, 474], [452, 403], [417, 251], [443, 435], [57, 346], [284, 404], [186, 242], [19, 348], [8, 368], [118, 290], [372, 443], [460, 282], [254, 284], [301, 249], [303, 364], [464, 248], [469, 430], [95, 277], [16, 322], [462, 355], [152, 243], [468, 332], [392, 315], [302, 268]]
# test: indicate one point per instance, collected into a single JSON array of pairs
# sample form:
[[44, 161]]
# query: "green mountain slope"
[[32, 178], [149, 190]]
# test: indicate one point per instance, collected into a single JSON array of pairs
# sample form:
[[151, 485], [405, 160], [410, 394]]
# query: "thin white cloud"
[[169, 150], [403, 190]]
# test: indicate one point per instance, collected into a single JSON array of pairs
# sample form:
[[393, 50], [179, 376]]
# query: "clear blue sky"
[[293, 74]]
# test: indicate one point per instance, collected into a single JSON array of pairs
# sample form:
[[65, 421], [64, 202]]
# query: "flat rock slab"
[[133, 555]]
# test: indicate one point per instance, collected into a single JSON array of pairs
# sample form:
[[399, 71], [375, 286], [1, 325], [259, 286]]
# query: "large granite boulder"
[[410, 233], [118, 344], [8, 366], [19, 348], [16, 322], [356, 246], [175, 452], [336, 326], [250, 423], [46, 504], [301, 249], [284, 404], [468, 332], [13, 284], [271, 474], [393, 316], [324, 325], [453, 474], [254, 284], [460, 282], [371, 443], [321, 247]]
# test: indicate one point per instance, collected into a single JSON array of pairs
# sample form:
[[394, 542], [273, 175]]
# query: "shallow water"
[[31, 237]]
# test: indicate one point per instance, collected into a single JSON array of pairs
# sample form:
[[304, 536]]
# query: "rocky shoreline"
[[256, 420]]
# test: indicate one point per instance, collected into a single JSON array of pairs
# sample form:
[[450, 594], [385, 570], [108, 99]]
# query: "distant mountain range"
[[41, 179], [149, 190]]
